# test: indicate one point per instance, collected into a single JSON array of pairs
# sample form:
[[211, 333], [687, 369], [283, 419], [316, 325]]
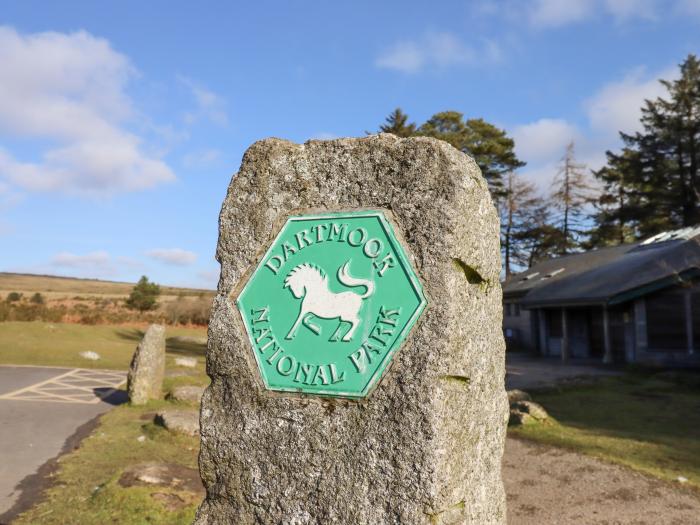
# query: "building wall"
[[662, 328], [517, 328]]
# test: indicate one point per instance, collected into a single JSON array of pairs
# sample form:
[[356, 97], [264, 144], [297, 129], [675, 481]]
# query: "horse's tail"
[[350, 281]]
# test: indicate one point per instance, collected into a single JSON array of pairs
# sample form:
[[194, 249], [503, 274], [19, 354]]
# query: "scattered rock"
[[147, 367], [516, 395], [682, 479], [519, 418], [531, 408], [183, 421], [141, 439], [189, 362], [187, 394], [170, 475], [92, 356], [169, 500]]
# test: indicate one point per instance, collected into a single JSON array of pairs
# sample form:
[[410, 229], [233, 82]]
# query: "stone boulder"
[[187, 393], [518, 418], [145, 380], [522, 412], [181, 421], [516, 395]]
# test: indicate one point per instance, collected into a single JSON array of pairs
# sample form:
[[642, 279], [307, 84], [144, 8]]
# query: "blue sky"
[[121, 123]]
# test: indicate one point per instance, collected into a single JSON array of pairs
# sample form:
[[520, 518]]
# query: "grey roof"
[[609, 275]]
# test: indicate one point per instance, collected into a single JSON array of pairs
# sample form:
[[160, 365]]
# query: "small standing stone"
[[147, 367]]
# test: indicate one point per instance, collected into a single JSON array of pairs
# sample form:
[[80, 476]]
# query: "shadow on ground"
[[178, 345], [111, 396]]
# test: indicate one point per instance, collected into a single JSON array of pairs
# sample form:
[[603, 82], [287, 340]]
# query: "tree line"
[[651, 185]]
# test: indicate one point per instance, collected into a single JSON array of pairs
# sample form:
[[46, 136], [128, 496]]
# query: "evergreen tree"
[[489, 146], [397, 123], [653, 185], [144, 295]]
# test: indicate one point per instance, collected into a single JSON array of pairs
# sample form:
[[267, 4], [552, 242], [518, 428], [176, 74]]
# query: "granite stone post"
[[425, 445], [147, 369]]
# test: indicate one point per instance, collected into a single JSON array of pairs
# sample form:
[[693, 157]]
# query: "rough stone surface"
[[183, 421], [426, 446], [187, 393], [145, 380]]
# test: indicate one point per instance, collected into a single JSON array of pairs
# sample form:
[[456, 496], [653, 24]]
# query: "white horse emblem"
[[310, 283]]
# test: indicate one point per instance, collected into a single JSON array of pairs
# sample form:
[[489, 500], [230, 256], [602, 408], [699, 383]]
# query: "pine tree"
[[397, 124], [144, 295], [489, 146], [653, 185]]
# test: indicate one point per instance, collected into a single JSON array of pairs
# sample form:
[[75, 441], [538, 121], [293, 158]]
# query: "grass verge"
[[60, 344], [648, 422], [86, 488]]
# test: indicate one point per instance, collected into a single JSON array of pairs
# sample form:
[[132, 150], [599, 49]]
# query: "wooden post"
[[544, 336], [564, 337], [607, 356], [688, 320]]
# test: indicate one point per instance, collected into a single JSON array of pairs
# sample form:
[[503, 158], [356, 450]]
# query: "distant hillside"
[[52, 284]]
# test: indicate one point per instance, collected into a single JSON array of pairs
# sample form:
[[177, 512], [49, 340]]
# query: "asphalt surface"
[[43, 413]]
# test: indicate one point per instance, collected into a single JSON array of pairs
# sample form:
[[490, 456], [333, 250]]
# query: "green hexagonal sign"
[[330, 303]]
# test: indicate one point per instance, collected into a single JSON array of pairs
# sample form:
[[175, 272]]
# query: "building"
[[630, 303]]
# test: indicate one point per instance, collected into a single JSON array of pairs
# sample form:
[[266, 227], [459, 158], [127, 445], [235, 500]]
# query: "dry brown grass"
[[53, 286]]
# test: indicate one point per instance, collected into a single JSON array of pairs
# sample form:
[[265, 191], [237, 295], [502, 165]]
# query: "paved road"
[[43, 412], [526, 372]]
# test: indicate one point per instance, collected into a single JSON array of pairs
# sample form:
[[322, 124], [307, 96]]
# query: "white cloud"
[[617, 106], [99, 260], [201, 158], [69, 90], [556, 13], [173, 256], [560, 13], [689, 7], [210, 106], [624, 9], [441, 50], [543, 139]]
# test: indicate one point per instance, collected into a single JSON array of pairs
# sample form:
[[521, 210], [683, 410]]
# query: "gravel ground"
[[547, 485]]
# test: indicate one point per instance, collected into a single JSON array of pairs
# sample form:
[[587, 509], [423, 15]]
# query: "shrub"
[[144, 295], [188, 311], [37, 298], [13, 297]]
